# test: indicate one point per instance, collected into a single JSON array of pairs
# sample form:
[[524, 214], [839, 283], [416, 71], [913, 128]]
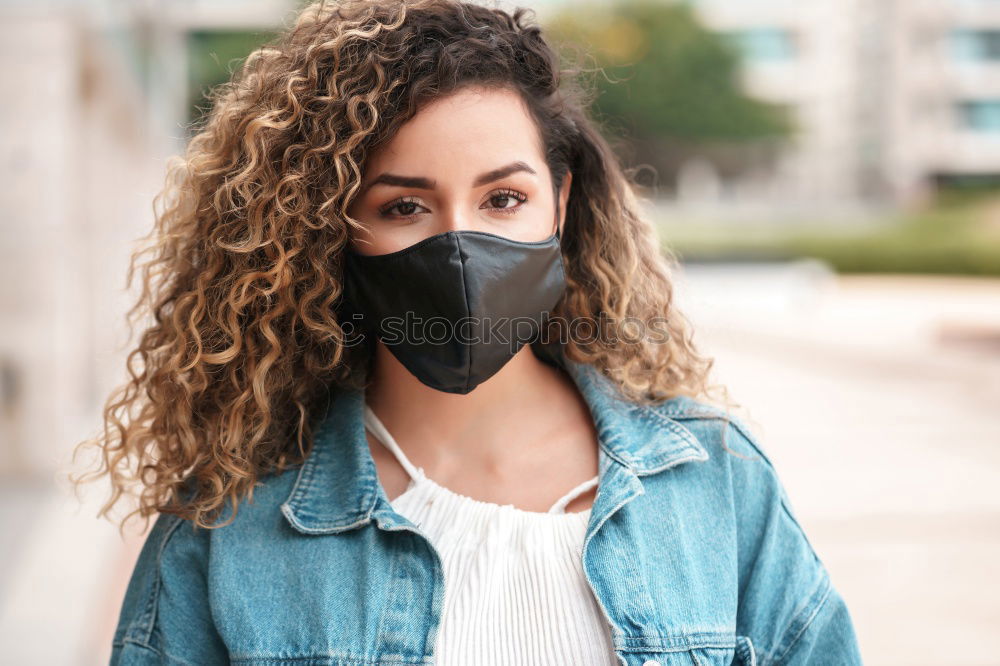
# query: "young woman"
[[415, 391]]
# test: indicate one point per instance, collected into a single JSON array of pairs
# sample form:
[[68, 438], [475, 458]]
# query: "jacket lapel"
[[337, 487]]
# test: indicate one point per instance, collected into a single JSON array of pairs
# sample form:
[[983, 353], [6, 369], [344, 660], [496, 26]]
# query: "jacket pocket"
[[745, 653], [741, 653], [699, 649]]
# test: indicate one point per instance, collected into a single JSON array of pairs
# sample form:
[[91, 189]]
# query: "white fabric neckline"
[[421, 484]]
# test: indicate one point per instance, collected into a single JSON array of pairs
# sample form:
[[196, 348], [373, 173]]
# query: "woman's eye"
[[506, 201], [402, 208]]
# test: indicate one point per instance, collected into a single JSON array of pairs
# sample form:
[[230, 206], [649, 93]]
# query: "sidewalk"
[[64, 579], [878, 400]]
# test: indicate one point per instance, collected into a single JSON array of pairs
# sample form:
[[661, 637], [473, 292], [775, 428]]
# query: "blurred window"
[[764, 44], [980, 115], [976, 45]]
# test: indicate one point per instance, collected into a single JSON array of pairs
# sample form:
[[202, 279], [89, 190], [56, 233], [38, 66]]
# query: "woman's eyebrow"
[[421, 183], [502, 172]]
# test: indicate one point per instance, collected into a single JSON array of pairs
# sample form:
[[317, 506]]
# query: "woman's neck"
[[495, 427]]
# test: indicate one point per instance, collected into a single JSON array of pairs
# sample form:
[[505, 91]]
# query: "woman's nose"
[[455, 217]]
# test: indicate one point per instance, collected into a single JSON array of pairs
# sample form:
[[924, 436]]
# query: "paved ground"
[[878, 399]]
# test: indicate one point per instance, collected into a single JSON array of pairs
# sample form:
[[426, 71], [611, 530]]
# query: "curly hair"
[[242, 277]]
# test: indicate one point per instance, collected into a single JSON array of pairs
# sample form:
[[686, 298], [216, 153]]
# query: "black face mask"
[[455, 307]]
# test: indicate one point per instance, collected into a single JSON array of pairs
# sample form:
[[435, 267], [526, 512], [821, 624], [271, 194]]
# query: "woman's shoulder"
[[253, 509], [788, 602], [257, 509], [736, 463], [716, 430]]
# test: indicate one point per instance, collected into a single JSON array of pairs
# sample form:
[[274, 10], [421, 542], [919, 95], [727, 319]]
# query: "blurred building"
[[74, 150], [96, 101], [893, 96]]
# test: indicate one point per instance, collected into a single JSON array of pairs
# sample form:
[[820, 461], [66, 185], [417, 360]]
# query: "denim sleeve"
[[165, 617], [788, 606]]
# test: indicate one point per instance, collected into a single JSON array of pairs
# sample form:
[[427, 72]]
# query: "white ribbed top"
[[515, 591]]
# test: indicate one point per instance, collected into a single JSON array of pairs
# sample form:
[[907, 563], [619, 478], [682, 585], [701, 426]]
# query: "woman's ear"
[[564, 198]]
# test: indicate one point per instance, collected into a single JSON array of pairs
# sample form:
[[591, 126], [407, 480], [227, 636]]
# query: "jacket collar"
[[337, 487]]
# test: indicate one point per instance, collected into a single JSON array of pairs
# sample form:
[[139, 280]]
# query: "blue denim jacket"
[[692, 551]]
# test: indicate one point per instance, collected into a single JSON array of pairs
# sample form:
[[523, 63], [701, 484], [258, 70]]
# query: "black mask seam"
[[468, 307]]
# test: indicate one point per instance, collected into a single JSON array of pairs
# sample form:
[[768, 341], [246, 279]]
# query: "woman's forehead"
[[470, 129]]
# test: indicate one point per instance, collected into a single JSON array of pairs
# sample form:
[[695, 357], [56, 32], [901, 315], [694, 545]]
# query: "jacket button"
[[650, 662]]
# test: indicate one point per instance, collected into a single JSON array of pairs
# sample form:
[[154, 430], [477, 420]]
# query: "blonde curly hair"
[[242, 278]]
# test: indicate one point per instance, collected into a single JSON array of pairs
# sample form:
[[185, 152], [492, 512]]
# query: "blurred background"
[[827, 173]]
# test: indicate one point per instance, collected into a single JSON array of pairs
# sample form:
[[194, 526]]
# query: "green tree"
[[670, 85], [213, 56]]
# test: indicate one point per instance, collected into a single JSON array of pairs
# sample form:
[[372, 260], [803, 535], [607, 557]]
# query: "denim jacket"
[[692, 551]]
